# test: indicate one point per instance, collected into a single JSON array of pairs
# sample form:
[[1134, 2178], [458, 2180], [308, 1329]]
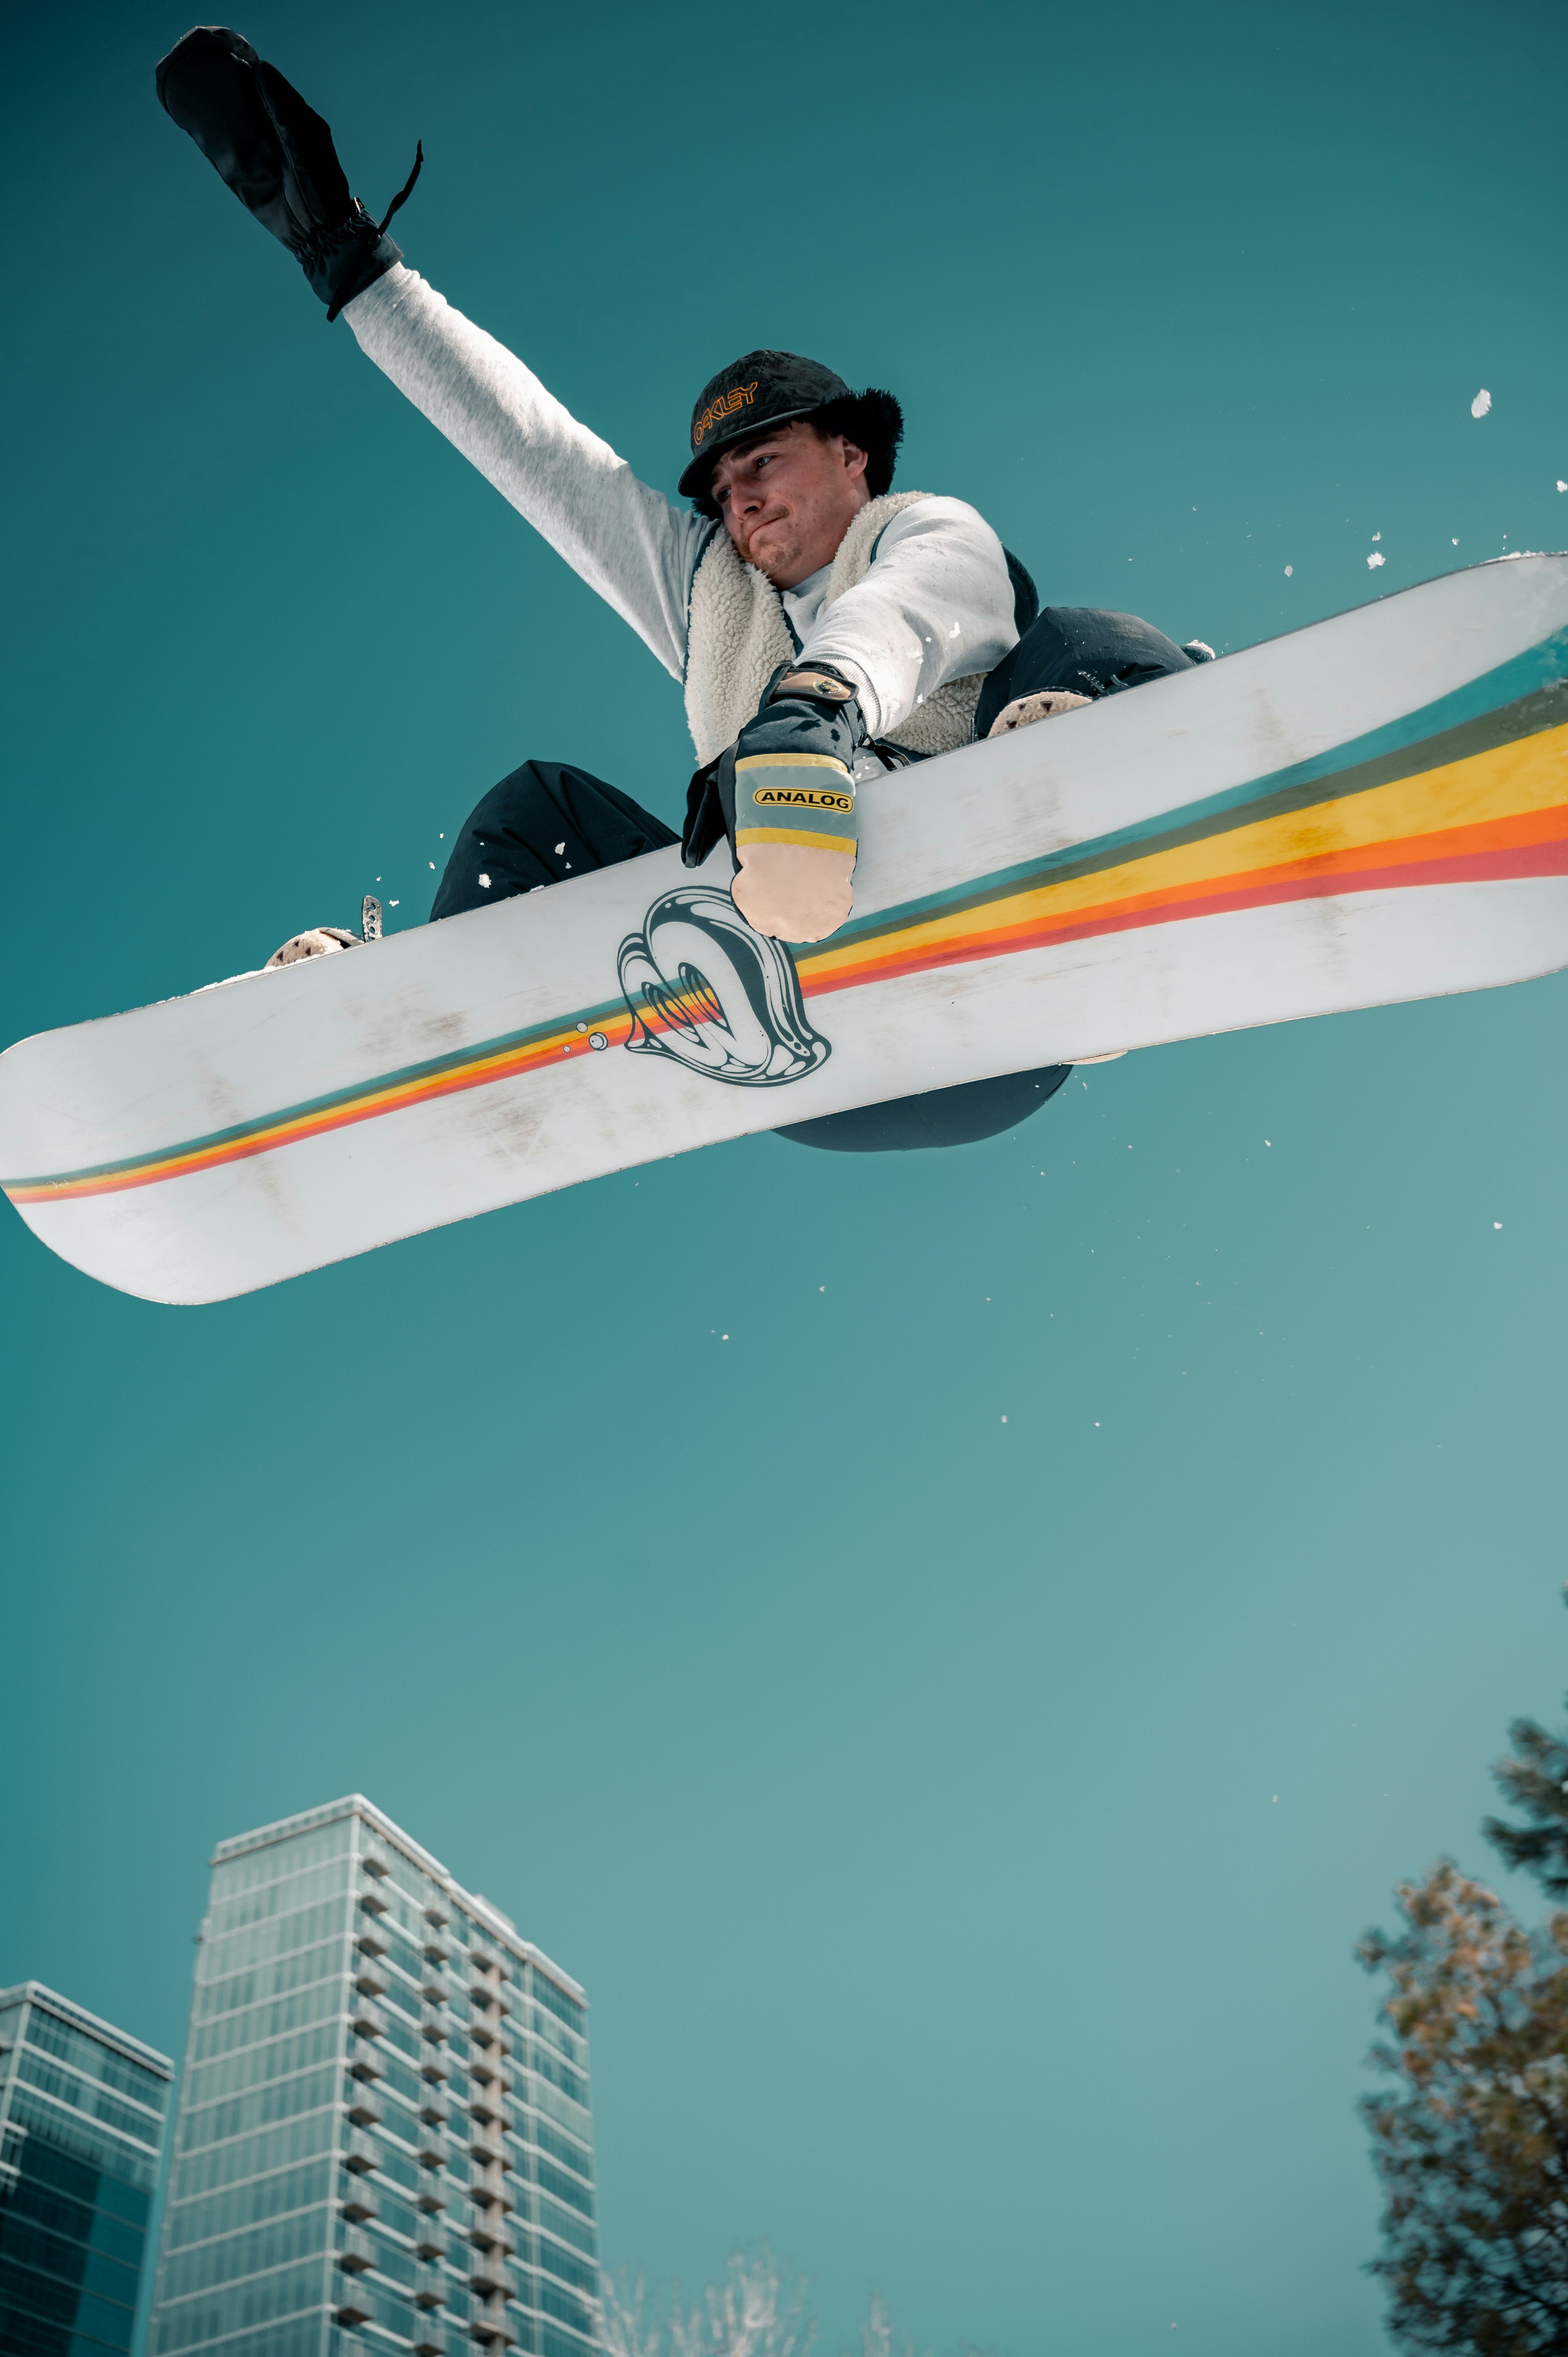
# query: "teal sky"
[[961, 1826]]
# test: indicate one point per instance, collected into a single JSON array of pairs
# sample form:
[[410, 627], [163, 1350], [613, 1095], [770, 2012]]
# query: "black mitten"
[[277, 156]]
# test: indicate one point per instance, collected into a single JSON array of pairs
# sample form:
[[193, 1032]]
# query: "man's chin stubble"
[[773, 560]]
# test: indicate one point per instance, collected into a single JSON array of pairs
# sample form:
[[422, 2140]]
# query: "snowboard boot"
[[319, 941], [277, 156], [1025, 710], [322, 939]]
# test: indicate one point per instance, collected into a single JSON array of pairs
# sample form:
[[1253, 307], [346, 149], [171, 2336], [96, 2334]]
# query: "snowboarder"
[[825, 628]]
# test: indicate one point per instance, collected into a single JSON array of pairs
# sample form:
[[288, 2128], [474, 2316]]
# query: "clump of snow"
[[559, 849], [1375, 559], [228, 978], [1481, 403], [485, 882], [1376, 535], [1289, 570]]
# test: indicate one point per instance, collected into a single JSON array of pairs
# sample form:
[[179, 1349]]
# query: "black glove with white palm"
[[277, 156], [783, 793], [795, 836]]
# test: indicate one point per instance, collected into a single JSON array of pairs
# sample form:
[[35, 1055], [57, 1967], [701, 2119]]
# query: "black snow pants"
[[548, 821]]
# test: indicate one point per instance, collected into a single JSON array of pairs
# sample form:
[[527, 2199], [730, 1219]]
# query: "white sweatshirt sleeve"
[[936, 605], [623, 537]]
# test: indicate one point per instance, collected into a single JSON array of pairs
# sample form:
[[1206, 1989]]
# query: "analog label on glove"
[[803, 798]]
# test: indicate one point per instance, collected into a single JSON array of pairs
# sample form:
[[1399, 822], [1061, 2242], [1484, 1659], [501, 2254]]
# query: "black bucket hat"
[[761, 389]]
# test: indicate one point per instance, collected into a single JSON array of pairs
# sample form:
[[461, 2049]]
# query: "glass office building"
[[82, 2109], [384, 2138]]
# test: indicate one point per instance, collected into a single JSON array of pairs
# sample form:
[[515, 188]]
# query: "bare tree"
[[758, 2311], [626, 2329], [877, 2333]]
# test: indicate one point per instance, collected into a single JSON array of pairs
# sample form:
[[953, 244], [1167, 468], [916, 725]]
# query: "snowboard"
[[1372, 808]]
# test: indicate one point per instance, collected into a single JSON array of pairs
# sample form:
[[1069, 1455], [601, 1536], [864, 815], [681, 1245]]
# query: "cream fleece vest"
[[737, 637]]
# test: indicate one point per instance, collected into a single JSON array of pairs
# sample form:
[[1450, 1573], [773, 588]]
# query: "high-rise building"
[[383, 2138], [82, 2111]]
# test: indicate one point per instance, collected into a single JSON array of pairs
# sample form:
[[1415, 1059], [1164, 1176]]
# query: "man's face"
[[787, 498]]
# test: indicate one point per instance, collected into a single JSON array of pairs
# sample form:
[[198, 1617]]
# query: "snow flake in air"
[[1496, 1224], [1481, 403], [1375, 559], [1289, 570], [485, 882], [559, 849], [1561, 485]]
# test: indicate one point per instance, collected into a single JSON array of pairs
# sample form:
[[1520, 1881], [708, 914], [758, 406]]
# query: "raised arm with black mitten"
[[277, 156]]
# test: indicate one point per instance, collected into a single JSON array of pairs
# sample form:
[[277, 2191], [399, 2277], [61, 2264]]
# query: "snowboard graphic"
[[1372, 808]]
